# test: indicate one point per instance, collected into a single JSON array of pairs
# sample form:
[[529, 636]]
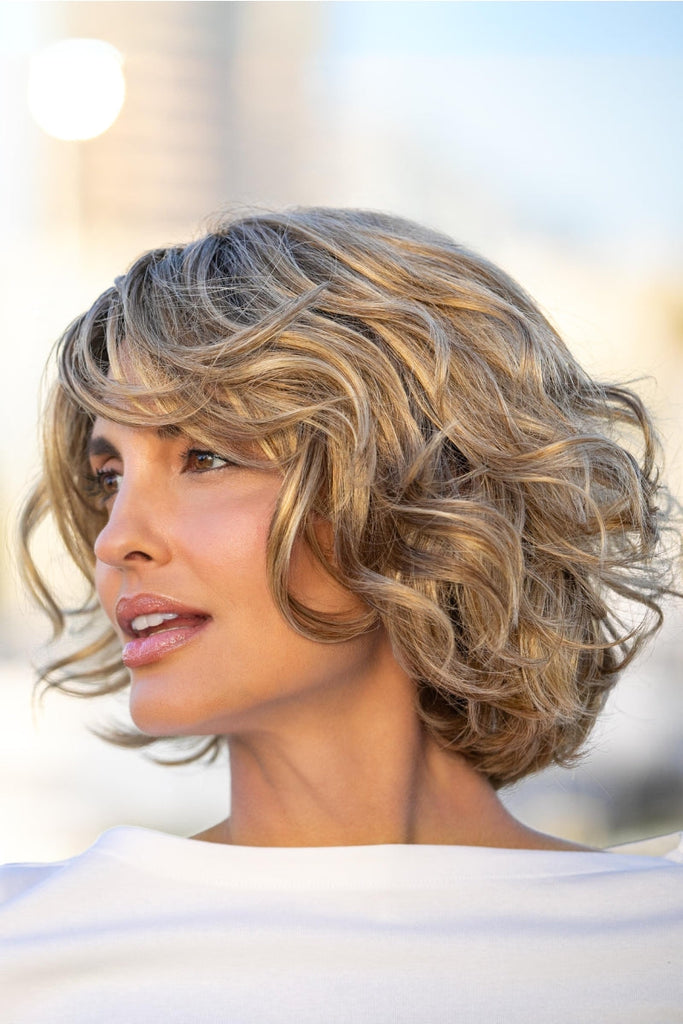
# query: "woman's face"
[[181, 573]]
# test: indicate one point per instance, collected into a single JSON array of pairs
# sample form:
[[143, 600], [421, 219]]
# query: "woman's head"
[[478, 490]]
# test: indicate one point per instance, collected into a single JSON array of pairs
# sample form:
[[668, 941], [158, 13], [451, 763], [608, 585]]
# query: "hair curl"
[[483, 491]]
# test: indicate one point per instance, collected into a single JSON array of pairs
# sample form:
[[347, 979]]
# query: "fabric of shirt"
[[145, 927]]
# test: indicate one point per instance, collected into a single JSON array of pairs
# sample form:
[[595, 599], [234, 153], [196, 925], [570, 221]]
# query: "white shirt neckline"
[[347, 868]]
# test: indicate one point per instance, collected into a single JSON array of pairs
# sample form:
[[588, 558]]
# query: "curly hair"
[[495, 508]]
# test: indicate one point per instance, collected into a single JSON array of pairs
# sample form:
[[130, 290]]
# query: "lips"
[[157, 627]]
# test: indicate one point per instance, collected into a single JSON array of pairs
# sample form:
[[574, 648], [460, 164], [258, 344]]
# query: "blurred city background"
[[546, 135]]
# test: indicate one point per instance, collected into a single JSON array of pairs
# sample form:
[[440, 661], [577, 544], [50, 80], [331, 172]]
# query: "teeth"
[[141, 622]]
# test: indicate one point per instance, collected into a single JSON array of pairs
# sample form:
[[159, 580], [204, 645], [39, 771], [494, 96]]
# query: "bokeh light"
[[76, 88]]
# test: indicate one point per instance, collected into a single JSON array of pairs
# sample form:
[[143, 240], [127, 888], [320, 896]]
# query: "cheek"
[[227, 545], [314, 587], [106, 587]]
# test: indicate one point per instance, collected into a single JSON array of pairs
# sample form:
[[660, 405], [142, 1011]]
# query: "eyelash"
[[204, 451], [96, 486]]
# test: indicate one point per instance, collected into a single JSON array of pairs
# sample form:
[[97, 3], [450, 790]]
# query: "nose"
[[134, 532]]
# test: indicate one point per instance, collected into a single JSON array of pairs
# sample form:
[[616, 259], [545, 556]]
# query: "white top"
[[145, 927]]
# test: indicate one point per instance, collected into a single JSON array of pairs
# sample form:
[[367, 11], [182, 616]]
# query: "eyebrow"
[[99, 445], [168, 430]]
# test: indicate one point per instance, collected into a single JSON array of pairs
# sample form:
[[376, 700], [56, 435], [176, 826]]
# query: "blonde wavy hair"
[[483, 492]]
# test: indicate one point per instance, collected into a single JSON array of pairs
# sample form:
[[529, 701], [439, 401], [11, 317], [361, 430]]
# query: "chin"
[[153, 713], [159, 712]]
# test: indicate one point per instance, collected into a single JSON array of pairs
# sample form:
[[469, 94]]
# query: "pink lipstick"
[[157, 626]]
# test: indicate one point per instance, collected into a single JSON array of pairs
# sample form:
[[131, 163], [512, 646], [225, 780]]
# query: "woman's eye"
[[202, 462], [107, 482]]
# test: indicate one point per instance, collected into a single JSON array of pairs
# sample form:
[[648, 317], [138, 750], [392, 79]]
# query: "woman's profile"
[[350, 508]]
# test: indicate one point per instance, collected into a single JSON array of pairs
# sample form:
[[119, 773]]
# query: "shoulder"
[[19, 879], [42, 884]]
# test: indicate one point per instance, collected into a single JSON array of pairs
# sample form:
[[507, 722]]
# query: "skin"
[[325, 745]]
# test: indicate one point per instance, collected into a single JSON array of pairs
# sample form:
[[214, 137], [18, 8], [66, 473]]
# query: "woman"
[[349, 506]]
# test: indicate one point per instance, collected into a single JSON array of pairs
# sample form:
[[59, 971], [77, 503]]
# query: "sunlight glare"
[[76, 88]]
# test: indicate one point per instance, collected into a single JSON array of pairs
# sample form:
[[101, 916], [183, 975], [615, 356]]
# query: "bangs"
[[110, 368]]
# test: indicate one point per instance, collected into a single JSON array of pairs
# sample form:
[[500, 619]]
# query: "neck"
[[356, 767], [317, 794]]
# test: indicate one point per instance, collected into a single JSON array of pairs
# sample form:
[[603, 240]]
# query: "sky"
[[573, 111], [540, 28]]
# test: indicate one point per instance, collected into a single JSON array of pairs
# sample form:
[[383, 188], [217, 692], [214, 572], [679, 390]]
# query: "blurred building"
[[215, 114]]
